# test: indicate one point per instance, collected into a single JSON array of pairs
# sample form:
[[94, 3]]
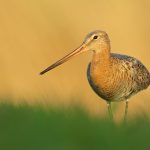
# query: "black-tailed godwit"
[[114, 77]]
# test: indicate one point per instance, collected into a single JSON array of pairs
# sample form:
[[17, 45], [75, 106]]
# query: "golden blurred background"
[[35, 33]]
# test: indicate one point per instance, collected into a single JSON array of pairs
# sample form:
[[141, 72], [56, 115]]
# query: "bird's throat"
[[101, 58]]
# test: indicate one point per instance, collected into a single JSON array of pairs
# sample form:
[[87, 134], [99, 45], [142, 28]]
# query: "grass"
[[35, 128]]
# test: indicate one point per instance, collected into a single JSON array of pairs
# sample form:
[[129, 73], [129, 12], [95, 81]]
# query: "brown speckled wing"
[[138, 72]]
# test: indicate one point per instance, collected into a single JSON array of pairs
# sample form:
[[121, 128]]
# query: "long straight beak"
[[77, 51]]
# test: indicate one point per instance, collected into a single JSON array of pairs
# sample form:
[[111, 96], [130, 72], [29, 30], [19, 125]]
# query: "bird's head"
[[95, 41]]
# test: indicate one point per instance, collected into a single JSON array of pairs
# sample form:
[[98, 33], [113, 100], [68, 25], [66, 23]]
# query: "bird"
[[113, 77]]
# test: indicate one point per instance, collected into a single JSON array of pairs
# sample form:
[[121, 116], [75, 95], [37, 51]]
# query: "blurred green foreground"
[[26, 127]]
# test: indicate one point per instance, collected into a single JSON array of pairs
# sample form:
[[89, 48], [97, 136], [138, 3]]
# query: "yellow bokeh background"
[[36, 33]]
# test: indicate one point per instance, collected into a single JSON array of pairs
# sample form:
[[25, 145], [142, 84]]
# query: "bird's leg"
[[110, 110], [126, 111]]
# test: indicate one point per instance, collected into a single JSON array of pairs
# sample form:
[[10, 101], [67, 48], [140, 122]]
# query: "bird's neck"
[[102, 56], [100, 67]]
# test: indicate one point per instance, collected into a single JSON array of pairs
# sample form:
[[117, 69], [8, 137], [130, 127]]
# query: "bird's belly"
[[108, 92], [107, 87], [105, 93]]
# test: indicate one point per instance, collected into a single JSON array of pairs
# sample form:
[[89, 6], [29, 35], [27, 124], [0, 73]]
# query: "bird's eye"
[[95, 37]]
